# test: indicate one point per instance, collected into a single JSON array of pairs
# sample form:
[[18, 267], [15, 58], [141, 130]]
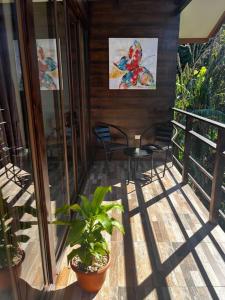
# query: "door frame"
[[28, 53], [29, 65], [76, 95]]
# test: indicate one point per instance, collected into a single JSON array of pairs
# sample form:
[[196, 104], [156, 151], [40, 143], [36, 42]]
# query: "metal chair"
[[103, 134], [163, 140]]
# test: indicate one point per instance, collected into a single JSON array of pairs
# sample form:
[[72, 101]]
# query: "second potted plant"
[[89, 256], [11, 255]]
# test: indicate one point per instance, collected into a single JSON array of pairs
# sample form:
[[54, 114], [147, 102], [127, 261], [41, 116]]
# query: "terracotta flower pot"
[[5, 276], [93, 281]]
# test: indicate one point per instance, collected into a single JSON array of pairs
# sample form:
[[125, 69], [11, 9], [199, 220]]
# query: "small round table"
[[134, 155]]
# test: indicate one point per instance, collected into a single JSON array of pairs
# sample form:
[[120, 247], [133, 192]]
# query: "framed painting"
[[47, 64], [132, 63]]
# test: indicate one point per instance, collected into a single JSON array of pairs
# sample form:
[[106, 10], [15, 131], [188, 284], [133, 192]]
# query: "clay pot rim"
[[18, 264], [99, 271]]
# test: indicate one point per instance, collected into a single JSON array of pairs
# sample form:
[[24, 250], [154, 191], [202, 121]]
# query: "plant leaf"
[[99, 196], [64, 209], [86, 208], [99, 249], [72, 254], [105, 221], [61, 222], [118, 225], [83, 253], [75, 232], [75, 207], [107, 207]]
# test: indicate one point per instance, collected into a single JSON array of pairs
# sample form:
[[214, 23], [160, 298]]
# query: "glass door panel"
[[19, 229], [67, 104], [52, 95], [76, 93]]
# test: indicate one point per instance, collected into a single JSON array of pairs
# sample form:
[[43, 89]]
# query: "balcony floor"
[[169, 251]]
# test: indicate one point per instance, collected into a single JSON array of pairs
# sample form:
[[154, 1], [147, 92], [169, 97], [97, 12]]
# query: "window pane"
[[51, 92], [19, 232], [67, 104]]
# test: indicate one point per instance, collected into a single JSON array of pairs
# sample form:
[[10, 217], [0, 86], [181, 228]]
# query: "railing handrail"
[[195, 116], [219, 163]]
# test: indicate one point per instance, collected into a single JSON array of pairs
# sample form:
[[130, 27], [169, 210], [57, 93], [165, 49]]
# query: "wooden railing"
[[217, 175]]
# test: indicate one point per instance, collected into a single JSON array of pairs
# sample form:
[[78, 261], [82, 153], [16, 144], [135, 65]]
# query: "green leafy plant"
[[85, 231]]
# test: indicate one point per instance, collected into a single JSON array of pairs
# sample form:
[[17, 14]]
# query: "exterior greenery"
[[85, 231], [200, 75], [200, 88]]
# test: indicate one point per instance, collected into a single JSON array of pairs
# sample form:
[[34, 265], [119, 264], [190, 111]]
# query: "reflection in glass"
[[67, 105], [20, 255], [51, 98], [76, 76]]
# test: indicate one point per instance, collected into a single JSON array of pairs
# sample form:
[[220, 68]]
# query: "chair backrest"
[[102, 133], [163, 133]]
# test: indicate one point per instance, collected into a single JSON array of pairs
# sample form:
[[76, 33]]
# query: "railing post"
[[187, 148], [218, 175]]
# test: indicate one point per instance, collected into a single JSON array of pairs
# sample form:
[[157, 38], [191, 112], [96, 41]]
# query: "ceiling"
[[200, 18]]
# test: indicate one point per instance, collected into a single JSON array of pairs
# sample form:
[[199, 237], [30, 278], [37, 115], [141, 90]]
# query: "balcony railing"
[[185, 125]]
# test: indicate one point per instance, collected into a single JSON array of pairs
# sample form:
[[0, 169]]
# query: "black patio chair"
[[103, 134], [163, 140]]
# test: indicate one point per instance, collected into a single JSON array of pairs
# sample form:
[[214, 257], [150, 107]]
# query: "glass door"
[[20, 238], [76, 90], [54, 95], [66, 95]]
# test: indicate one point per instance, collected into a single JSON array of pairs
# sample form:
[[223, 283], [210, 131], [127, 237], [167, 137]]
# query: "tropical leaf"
[[61, 222], [118, 225], [86, 208], [64, 209], [72, 254], [99, 196], [76, 232], [108, 207], [105, 221]]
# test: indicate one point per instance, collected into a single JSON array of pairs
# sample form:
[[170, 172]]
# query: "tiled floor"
[[169, 251]]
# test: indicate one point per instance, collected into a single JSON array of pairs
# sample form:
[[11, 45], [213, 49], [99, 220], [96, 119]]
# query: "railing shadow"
[[160, 270], [212, 238]]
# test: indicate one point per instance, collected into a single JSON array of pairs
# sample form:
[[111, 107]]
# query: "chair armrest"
[[118, 129]]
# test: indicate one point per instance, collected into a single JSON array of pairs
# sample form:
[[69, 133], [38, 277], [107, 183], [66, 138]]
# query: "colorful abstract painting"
[[47, 64], [132, 63]]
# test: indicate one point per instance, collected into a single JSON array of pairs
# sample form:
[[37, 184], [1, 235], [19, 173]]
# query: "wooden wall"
[[132, 110]]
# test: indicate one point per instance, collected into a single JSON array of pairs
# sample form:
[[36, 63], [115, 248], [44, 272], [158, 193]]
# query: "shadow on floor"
[[171, 192]]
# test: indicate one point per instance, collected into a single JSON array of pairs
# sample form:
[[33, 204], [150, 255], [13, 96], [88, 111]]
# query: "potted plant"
[[89, 256], [11, 256]]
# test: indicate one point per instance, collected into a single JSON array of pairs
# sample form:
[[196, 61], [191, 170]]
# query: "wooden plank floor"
[[21, 204], [169, 251]]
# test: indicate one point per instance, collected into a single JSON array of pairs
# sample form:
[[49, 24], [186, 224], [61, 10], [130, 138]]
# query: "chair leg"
[[106, 160], [165, 163], [152, 162], [110, 156], [129, 166], [171, 152]]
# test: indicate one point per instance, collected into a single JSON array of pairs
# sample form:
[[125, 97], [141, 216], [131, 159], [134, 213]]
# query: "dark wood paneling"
[[132, 110]]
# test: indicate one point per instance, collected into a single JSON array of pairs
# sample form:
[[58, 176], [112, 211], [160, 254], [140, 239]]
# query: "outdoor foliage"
[[85, 231], [200, 88], [201, 75]]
